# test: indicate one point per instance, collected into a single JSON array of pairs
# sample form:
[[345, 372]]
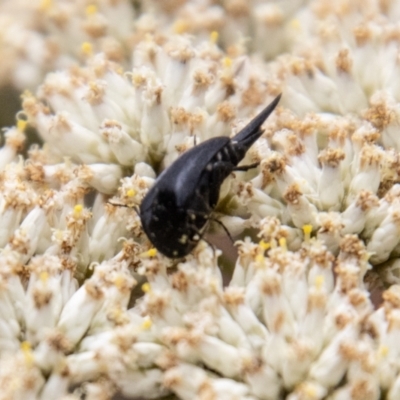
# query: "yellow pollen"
[[21, 125], [146, 288], [27, 350], [119, 281], [152, 252], [319, 281], [282, 243], [295, 24], [307, 229], [214, 36], [91, 9], [180, 27], [227, 62], [26, 346], [131, 193], [264, 245], [260, 258], [149, 253], [46, 4], [383, 351], [78, 209], [44, 276], [137, 79], [87, 48], [146, 324]]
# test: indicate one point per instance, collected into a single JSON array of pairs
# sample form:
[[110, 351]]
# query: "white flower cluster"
[[44, 35], [60, 33], [242, 24], [285, 323], [174, 91], [328, 172]]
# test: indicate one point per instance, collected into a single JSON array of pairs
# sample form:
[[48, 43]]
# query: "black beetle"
[[176, 209]]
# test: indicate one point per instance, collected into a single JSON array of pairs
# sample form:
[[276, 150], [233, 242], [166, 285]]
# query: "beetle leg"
[[206, 215], [201, 237], [220, 223], [210, 244], [246, 167], [135, 208]]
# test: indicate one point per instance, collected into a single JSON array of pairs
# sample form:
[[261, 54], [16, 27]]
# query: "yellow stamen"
[[27, 350], [87, 48], [214, 37], [319, 281], [119, 281], [264, 245], [131, 193], [260, 258], [152, 252], [149, 253], [295, 24], [44, 276], [282, 243], [91, 9], [383, 351], [138, 79], [46, 4], [146, 288], [147, 323], [78, 209], [227, 62], [307, 229], [180, 27], [21, 125]]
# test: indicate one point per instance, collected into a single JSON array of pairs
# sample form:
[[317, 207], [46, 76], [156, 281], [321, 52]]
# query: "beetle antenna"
[[220, 223]]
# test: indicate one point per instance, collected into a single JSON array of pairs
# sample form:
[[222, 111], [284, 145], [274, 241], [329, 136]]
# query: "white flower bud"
[[55, 386], [26, 237], [79, 311], [127, 150], [385, 237], [330, 367], [145, 383]]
